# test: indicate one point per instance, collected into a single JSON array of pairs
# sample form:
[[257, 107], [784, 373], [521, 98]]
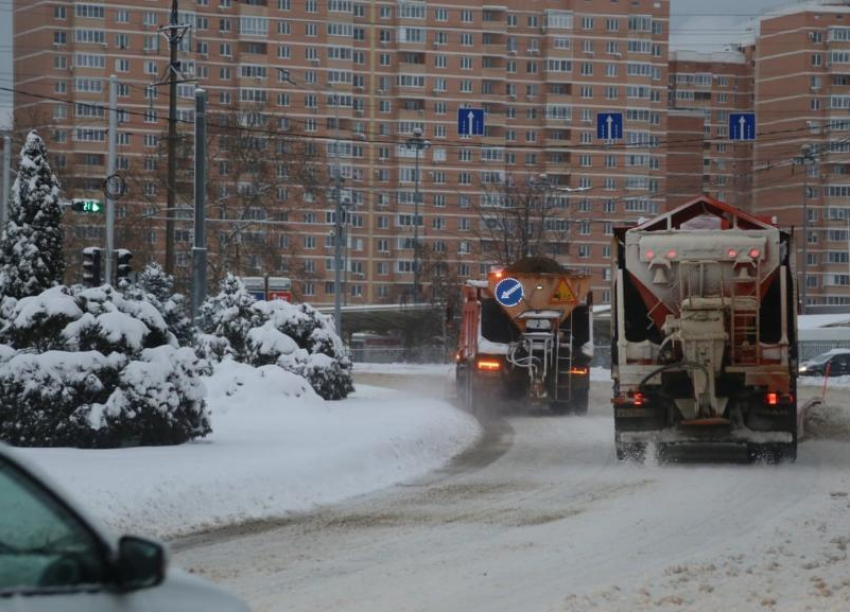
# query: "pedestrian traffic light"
[[123, 268], [91, 266]]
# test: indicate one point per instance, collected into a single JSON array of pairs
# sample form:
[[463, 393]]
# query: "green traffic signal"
[[87, 206]]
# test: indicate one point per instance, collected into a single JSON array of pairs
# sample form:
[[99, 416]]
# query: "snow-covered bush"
[[229, 315], [37, 322], [298, 338], [157, 287], [326, 364], [96, 369], [46, 399], [159, 400], [31, 258]]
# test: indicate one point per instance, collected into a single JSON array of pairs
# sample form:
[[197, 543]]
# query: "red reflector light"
[[489, 365], [671, 254], [732, 253], [638, 399], [650, 254], [772, 399], [755, 253], [579, 371]]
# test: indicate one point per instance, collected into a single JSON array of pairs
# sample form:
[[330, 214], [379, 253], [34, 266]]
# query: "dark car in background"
[[836, 361]]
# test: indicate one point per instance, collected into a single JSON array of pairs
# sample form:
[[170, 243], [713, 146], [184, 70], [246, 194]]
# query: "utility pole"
[[419, 144], [199, 247], [7, 181], [337, 243], [112, 138], [174, 33], [806, 157]]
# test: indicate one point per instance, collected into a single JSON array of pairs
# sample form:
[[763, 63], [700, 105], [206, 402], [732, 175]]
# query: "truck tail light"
[[650, 254], [732, 253], [671, 254], [579, 371], [488, 365], [755, 253], [638, 398], [774, 399]]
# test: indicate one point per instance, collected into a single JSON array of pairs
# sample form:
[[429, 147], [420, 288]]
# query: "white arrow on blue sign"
[[470, 121], [609, 126], [742, 126], [509, 292]]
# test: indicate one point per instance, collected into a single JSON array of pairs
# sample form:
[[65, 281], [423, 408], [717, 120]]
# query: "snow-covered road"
[[542, 518]]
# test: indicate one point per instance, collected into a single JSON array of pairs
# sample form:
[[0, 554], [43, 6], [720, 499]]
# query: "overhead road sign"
[[609, 126], [509, 292], [742, 126], [470, 121]]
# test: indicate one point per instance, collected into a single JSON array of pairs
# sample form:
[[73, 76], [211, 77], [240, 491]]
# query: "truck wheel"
[[631, 452], [580, 402], [560, 408]]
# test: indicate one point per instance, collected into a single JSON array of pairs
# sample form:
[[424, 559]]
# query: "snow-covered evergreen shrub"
[[105, 372], [298, 338], [31, 258], [157, 287], [324, 360], [37, 322], [159, 400], [47, 399], [229, 315]]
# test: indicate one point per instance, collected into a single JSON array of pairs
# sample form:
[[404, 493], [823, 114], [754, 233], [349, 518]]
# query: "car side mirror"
[[141, 563]]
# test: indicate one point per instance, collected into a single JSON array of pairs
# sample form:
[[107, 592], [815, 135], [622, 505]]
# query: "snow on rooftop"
[[821, 6]]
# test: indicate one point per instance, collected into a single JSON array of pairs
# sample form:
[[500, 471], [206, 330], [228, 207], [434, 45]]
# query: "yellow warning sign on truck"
[[563, 293]]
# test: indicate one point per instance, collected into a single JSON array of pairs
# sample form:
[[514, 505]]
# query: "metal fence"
[[601, 353]]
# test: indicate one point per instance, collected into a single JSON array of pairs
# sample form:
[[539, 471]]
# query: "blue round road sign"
[[509, 292]]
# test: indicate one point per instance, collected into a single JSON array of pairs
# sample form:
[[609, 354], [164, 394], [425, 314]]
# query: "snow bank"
[[443, 369], [827, 422], [277, 448]]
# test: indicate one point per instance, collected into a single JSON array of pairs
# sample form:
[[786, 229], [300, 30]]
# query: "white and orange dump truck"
[[703, 339], [526, 338]]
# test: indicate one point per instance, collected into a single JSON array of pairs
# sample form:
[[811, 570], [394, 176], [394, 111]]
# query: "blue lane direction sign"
[[609, 126], [470, 121], [742, 126], [509, 292]]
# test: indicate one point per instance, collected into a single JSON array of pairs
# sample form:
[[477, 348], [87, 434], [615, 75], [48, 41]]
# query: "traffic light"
[[91, 267], [86, 206], [123, 268]]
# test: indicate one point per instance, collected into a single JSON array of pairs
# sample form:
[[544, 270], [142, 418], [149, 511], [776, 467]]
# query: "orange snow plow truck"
[[526, 338], [704, 336]]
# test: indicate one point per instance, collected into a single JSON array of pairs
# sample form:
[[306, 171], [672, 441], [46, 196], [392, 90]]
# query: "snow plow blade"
[[676, 446], [703, 451]]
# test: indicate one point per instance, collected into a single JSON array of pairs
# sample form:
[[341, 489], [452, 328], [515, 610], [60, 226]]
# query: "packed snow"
[[276, 448]]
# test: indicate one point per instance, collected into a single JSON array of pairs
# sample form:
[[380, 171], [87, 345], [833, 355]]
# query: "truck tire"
[[580, 401], [560, 408], [631, 452]]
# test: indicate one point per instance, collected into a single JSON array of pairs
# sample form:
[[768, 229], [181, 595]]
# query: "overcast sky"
[[698, 25]]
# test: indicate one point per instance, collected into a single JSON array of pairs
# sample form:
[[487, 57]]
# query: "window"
[[46, 533]]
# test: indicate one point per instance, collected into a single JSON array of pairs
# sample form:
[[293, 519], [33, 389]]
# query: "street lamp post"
[[806, 157], [419, 144]]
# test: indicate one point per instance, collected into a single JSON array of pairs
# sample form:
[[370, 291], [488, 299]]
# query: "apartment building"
[[355, 81], [802, 92], [705, 88]]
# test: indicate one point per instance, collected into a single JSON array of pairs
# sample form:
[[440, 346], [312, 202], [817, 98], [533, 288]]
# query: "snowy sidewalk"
[[276, 448]]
